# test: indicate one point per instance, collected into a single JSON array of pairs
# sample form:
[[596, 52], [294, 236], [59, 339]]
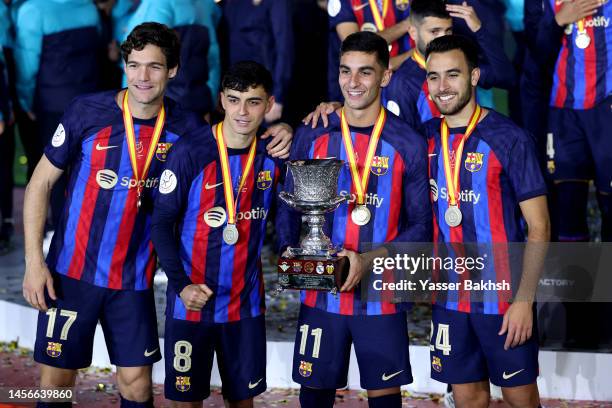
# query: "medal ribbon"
[[378, 19], [418, 58], [581, 29], [230, 201], [452, 183], [361, 182], [128, 123]]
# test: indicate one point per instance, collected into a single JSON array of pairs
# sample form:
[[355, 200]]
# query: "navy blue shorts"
[[323, 347], [581, 144], [189, 349], [65, 333], [466, 348]]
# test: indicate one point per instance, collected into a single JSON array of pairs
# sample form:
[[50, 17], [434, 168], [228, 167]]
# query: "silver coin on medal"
[[582, 40], [453, 216], [361, 215], [230, 234]]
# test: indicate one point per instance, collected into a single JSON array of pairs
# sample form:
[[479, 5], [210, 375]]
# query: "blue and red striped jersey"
[[583, 76], [102, 238], [359, 12], [397, 197], [499, 169], [407, 95], [196, 204]]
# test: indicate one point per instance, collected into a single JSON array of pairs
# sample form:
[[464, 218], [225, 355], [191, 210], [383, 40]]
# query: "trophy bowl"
[[314, 264]]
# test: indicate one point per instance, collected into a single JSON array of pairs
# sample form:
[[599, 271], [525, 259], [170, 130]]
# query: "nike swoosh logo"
[[361, 6], [251, 386], [98, 147], [211, 186], [149, 353], [508, 376], [386, 377]]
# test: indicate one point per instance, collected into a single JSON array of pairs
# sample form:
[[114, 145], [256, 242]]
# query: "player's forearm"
[[35, 208], [395, 32], [165, 243], [533, 260]]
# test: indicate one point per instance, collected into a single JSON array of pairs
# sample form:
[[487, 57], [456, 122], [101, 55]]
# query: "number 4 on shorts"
[[442, 339]]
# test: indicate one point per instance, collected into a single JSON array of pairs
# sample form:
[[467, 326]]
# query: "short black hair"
[[368, 42], [155, 34], [419, 9], [455, 42], [244, 75]]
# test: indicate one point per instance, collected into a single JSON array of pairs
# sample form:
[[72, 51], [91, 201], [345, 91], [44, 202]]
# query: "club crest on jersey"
[[380, 165], [183, 384], [473, 161], [162, 151], [54, 349], [402, 4], [436, 364], [305, 369], [264, 180]]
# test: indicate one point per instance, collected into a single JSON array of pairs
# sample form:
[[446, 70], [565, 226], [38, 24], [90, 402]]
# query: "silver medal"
[[361, 215], [230, 234], [582, 40], [453, 216]]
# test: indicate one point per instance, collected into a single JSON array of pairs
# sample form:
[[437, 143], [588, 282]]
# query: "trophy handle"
[[287, 198]]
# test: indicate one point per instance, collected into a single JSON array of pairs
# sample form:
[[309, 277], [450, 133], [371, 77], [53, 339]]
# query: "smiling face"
[[361, 78], [245, 111], [147, 74], [451, 83]]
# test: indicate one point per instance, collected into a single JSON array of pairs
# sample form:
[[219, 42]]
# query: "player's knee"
[[387, 398], [56, 377], [522, 397], [247, 403], [317, 398], [471, 395], [135, 383]]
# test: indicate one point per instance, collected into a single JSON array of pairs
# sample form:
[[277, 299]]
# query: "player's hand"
[[357, 268], [518, 324], [37, 278], [323, 110], [467, 13], [195, 296], [572, 11], [275, 113], [282, 136]]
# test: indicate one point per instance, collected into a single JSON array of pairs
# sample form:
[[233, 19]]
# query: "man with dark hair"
[[395, 201], [101, 261], [407, 96], [221, 186], [481, 336]]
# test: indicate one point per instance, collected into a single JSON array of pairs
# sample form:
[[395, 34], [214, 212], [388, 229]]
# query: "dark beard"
[[465, 99]]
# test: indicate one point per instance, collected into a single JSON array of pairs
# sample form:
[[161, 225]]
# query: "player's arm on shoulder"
[[36, 204], [346, 28], [280, 144]]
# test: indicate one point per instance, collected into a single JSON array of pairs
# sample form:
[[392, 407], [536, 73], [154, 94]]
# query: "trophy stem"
[[316, 239]]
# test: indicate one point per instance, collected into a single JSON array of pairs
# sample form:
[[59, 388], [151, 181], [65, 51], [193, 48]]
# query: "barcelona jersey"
[[103, 238], [397, 196], [583, 76], [194, 198], [499, 169]]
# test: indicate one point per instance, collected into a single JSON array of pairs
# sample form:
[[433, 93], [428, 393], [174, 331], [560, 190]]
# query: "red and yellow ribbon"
[[378, 18], [131, 142], [418, 58], [452, 182], [361, 181], [230, 201], [580, 24]]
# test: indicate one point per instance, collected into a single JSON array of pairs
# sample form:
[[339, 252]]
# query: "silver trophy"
[[314, 264]]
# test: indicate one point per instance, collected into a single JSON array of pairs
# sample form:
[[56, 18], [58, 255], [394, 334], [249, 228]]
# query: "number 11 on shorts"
[[316, 333]]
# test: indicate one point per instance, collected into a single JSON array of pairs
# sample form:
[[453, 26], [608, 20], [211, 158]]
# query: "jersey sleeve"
[[524, 170], [496, 70], [66, 141], [340, 11], [174, 185]]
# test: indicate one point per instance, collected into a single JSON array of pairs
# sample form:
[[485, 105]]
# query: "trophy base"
[[312, 273]]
